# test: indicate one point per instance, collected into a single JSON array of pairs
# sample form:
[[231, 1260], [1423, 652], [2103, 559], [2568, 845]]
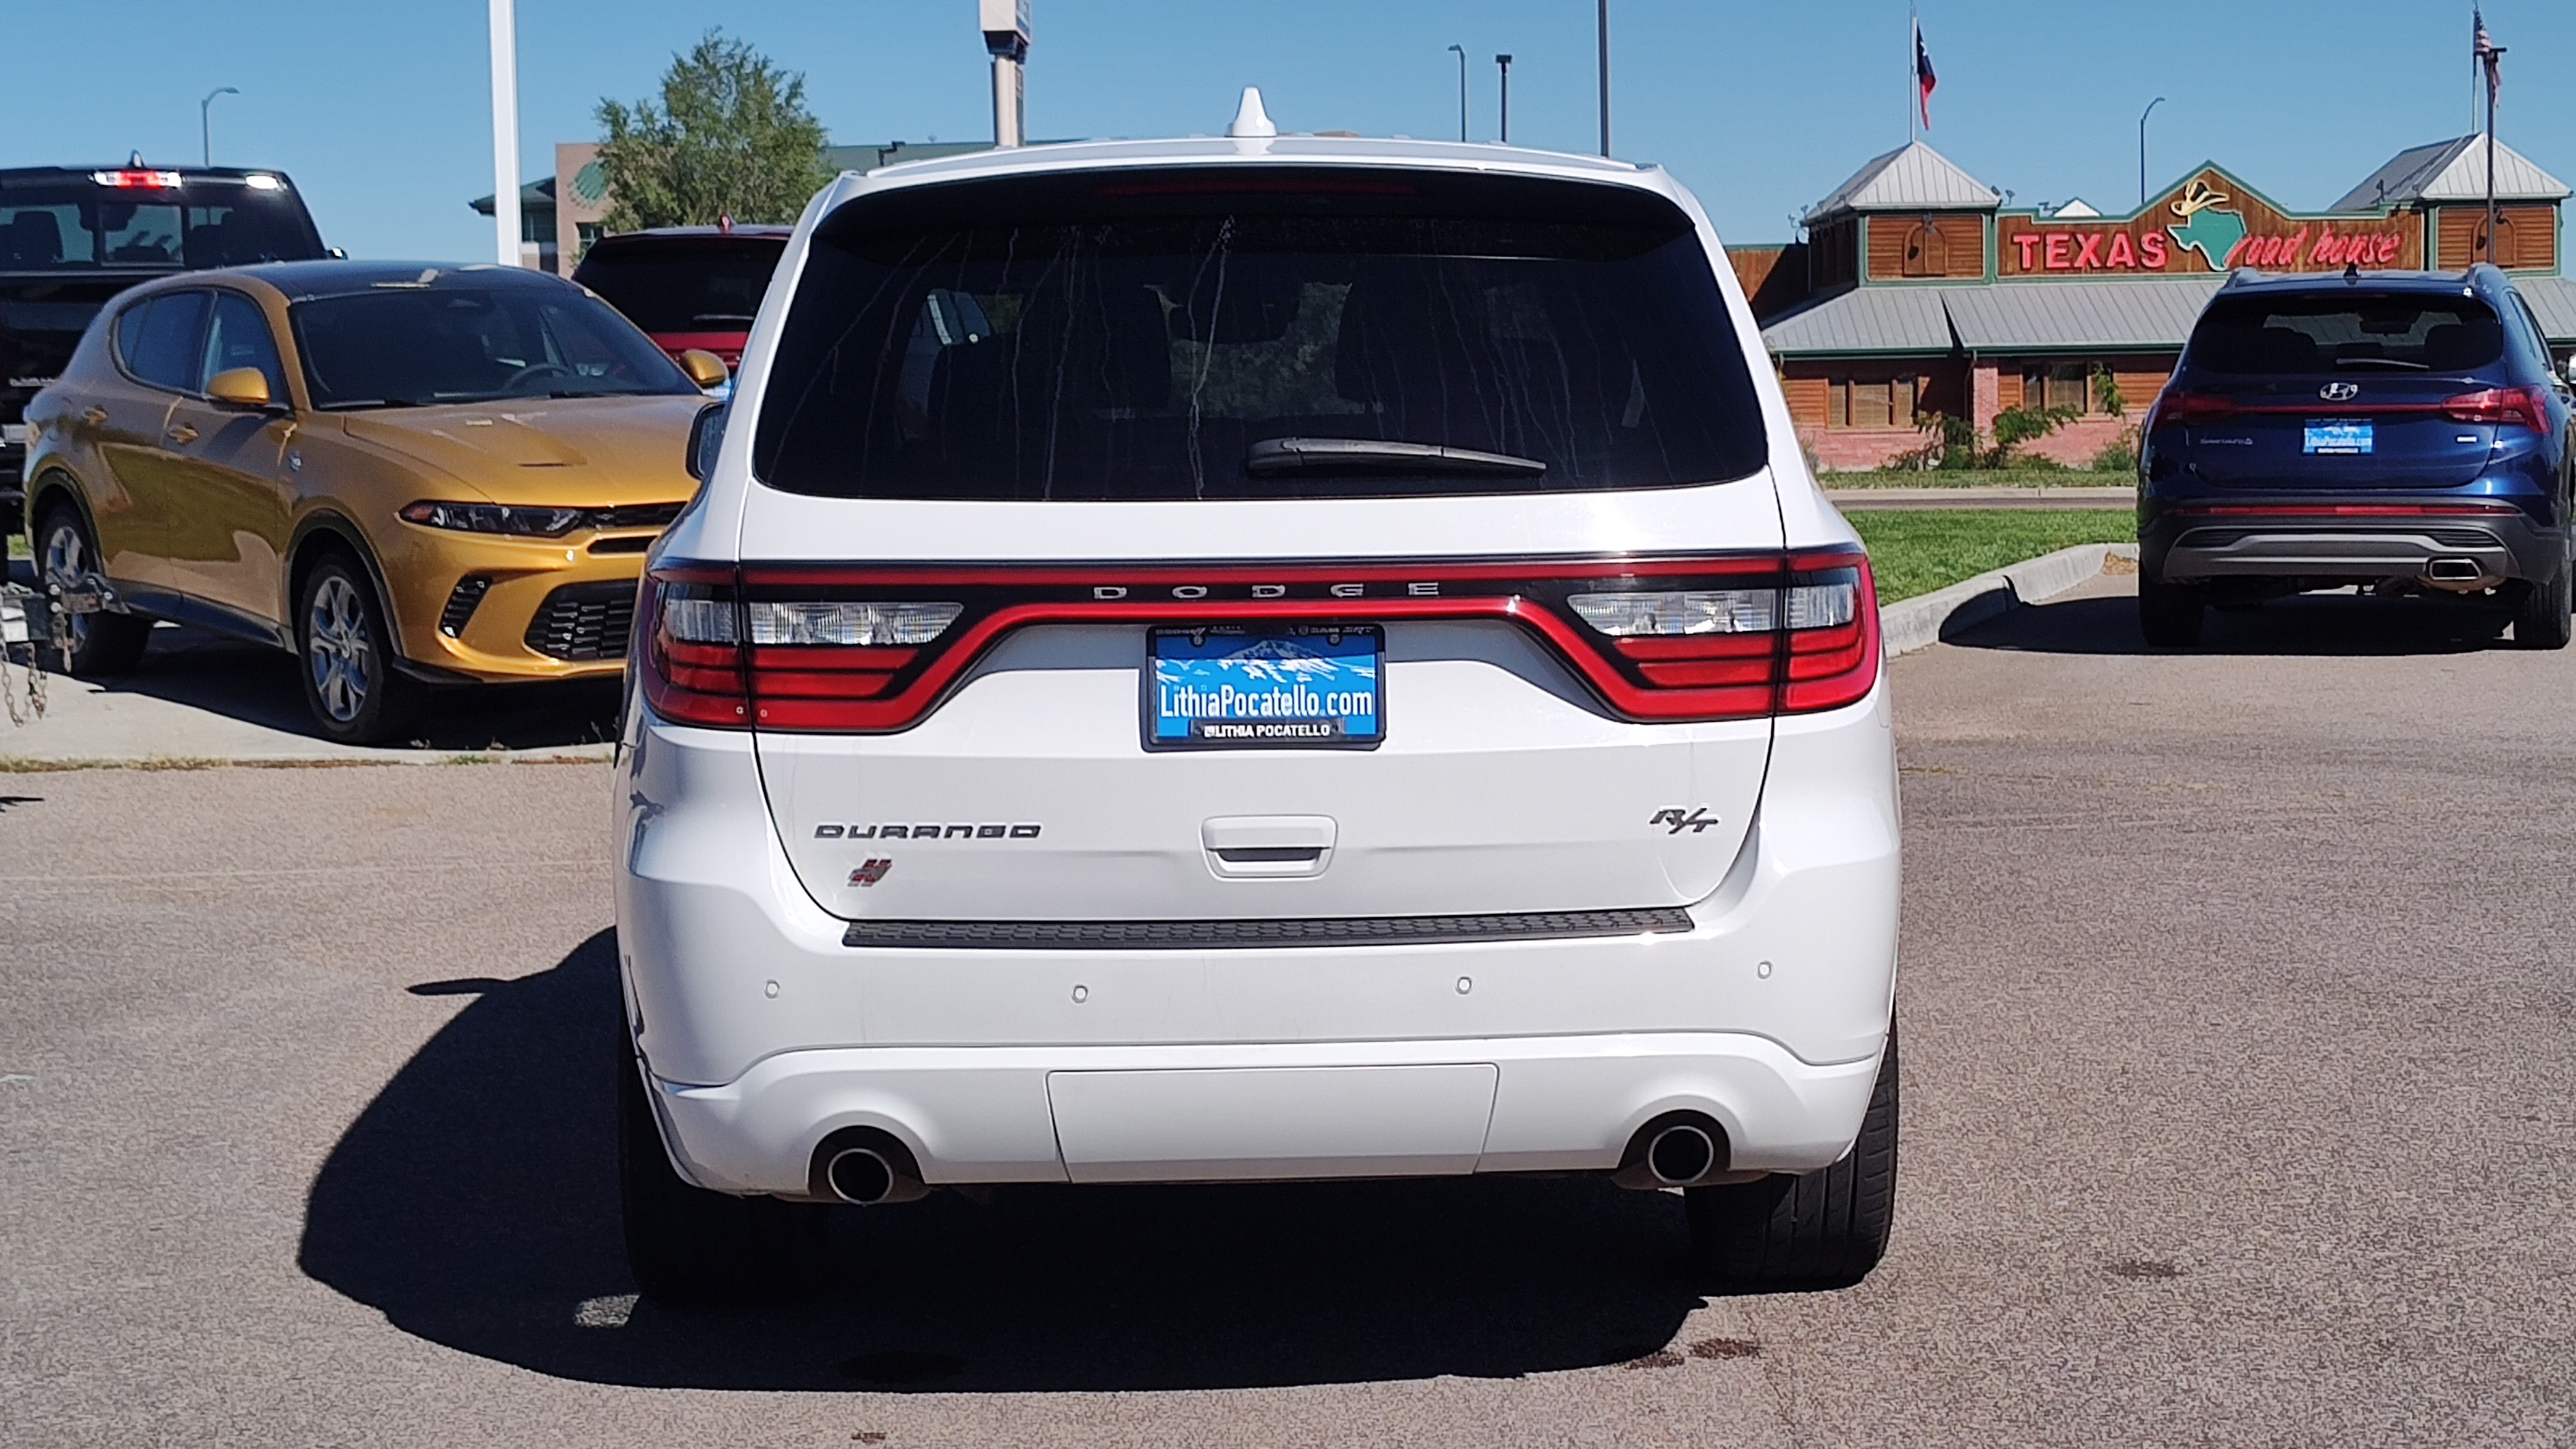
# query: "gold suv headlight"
[[496, 518]]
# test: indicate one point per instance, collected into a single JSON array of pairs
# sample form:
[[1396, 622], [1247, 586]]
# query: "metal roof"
[[2553, 301], [1998, 317], [1914, 177], [1864, 319], [2139, 313], [2454, 170]]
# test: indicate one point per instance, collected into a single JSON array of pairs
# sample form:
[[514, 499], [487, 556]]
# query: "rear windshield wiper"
[[2383, 362], [1365, 455]]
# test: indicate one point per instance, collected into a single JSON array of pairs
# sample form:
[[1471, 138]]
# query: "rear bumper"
[[1264, 1110], [763, 1032], [2470, 551]]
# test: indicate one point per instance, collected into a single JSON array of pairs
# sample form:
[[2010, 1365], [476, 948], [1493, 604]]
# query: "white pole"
[[505, 131]]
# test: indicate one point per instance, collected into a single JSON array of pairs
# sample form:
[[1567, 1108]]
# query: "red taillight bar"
[[2502, 406], [2343, 510], [846, 689]]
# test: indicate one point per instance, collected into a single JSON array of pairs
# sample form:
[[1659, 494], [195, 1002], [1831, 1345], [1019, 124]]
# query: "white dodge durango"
[[1255, 658]]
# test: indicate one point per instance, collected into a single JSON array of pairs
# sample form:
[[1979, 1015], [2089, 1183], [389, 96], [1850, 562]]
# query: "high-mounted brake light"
[[134, 180], [2502, 406], [872, 649]]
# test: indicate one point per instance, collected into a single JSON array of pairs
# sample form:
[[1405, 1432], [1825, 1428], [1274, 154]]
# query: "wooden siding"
[[2140, 380], [1833, 254], [1774, 278], [2528, 238], [1902, 246]]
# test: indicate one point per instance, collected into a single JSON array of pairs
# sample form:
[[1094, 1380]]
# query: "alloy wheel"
[[65, 559], [339, 648]]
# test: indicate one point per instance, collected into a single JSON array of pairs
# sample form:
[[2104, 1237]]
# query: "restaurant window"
[[1926, 253], [1879, 402], [2058, 385]]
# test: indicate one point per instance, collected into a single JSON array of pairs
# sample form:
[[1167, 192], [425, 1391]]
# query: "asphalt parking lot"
[[2240, 1043]]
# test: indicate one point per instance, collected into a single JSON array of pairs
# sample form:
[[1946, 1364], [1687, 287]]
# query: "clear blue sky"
[[381, 109]]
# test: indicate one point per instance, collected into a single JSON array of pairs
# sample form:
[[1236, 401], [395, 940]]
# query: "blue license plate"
[[2345, 438], [1245, 685]]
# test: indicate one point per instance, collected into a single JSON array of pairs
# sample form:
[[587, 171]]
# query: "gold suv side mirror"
[[242, 387], [703, 367]]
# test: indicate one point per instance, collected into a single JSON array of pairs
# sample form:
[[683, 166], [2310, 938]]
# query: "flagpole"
[[2491, 206], [1913, 40]]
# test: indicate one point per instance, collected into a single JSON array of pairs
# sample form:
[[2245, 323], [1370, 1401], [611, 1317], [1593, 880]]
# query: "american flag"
[[1924, 80], [2488, 53]]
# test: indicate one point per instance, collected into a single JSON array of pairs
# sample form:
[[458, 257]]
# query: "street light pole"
[[2142, 149], [205, 122], [505, 131], [1462, 90], [1605, 76], [1006, 39], [1503, 63]]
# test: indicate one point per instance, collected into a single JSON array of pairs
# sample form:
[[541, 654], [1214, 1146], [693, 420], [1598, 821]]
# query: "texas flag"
[[1924, 80]]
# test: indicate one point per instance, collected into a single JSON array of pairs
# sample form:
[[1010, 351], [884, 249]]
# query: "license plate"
[[1248, 685], [2346, 438]]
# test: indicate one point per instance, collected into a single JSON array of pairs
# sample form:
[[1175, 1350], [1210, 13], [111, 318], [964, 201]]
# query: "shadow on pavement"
[[2308, 624], [258, 685], [474, 1203]]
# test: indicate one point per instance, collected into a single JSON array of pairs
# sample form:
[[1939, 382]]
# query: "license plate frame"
[[2337, 438], [1328, 660]]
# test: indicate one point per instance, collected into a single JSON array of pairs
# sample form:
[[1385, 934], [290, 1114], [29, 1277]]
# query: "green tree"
[[731, 137]]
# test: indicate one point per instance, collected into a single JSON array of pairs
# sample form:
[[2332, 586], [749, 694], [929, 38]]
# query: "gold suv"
[[406, 475]]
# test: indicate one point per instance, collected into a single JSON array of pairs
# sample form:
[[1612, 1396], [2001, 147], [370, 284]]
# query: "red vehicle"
[[687, 286]]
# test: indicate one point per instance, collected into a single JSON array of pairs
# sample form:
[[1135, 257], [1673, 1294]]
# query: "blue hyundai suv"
[[2400, 431]]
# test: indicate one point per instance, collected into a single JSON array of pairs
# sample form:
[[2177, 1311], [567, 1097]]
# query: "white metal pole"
[[505, 131], [1010, 102]]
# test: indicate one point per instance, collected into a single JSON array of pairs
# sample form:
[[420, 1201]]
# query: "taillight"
[[1808, 641], [2192, 409], [2502, 406], [691, 649], [872, 649]]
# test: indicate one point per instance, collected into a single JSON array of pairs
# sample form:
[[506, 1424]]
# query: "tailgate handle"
[[1258, 847]]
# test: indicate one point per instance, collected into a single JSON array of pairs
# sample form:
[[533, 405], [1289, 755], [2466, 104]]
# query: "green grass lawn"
[[1916, 552], [1977, 478], [18, 546]]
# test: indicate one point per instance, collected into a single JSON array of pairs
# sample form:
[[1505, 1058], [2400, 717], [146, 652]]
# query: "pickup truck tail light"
[[872, 649]]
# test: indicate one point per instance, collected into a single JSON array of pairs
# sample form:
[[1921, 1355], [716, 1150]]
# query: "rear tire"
[[102, 644], [1802, 1232], [2542, 615], [2169, 614], [688, 1246], [347, 656]]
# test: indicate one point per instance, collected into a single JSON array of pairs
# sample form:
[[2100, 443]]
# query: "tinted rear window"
[[53, 225], [2340, 332], [1135, 337], [683, 286]]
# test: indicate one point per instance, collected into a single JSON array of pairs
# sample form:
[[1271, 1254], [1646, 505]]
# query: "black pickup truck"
[[71, 238]]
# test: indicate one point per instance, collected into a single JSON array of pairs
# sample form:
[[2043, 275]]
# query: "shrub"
[[2120, 455]]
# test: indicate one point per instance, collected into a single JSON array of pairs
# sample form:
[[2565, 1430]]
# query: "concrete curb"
[[1926, 620]]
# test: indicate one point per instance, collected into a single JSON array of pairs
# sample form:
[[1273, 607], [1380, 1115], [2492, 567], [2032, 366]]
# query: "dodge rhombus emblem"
[[2340, 391]]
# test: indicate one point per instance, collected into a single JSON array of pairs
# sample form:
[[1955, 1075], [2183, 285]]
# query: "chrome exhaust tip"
[[1680, 1150], [869, 1173], [1679, 1154], [2457, 573]]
